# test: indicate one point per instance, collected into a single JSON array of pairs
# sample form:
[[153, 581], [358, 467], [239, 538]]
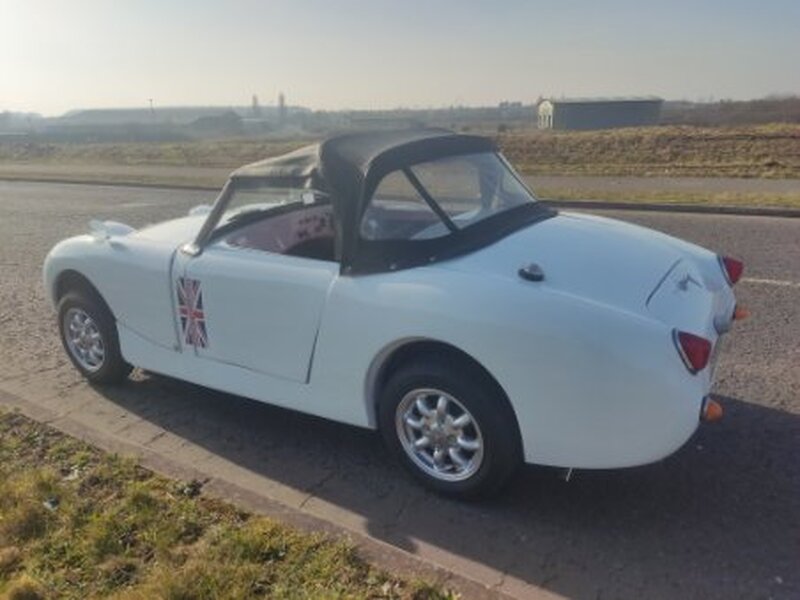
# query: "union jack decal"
[[190, 309]]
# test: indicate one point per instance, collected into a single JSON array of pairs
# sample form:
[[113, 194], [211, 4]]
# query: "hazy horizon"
[[267, 103], [86, 54]]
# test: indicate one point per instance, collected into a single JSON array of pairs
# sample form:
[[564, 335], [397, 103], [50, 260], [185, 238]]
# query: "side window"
[[512, 192], [471, 188], [463, 190], [398, 212], [455, 183]]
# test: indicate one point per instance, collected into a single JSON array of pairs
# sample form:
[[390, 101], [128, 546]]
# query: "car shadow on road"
[[717, 519]]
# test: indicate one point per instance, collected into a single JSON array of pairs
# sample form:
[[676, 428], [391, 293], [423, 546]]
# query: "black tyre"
[[447, 422], [89, 335]]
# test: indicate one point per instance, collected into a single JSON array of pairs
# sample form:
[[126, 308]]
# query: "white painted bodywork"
[[586, 356]]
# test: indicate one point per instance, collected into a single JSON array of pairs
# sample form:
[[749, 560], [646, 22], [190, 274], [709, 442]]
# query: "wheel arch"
[[70, 280], [398, 353]]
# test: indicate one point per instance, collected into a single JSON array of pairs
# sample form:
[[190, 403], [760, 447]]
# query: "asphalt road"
[[719, 519]]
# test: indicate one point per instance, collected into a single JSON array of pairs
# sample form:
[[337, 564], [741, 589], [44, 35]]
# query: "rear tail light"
[[731, 268], [694, 350]]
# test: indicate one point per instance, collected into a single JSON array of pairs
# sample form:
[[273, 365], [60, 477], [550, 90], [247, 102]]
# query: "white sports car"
[[409, 281]]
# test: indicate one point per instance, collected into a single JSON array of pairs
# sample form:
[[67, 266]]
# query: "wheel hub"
[[83, 339], [439, 434]]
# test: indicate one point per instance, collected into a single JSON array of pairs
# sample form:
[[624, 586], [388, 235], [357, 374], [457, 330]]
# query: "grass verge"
[[748, 152], [749, 199], [213, 179], [755, 151], [77, 523]]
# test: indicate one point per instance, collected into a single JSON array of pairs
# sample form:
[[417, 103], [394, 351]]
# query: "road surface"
[[719, 519]]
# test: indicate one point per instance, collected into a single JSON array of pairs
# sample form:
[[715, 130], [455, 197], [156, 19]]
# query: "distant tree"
[[733, 112]]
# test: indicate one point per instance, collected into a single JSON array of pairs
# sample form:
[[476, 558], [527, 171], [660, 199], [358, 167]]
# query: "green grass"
[[753, 199], [77, 523]]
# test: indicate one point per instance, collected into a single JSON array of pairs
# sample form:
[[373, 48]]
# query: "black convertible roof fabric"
[[349, 167], [299, 164], [361, 151]]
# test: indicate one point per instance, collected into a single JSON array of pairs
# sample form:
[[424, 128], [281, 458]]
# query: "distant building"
[[176, 115], [598, 113], [223, 125], [514, 111]]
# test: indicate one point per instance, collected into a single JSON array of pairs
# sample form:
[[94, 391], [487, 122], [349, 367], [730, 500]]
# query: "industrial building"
[[598, 113]]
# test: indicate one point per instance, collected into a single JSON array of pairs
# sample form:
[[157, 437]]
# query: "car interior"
[[307, 232], [398, 221]]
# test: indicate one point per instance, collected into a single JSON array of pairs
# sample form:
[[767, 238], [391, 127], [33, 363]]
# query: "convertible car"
[[410, 282]]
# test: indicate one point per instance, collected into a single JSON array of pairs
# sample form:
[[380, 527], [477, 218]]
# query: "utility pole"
[[281, 109]]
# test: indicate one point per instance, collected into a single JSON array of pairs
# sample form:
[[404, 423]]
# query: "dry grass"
[[746, 151], [764, 151], [216, 153], [156, 175], [75, 523], [752, 151]]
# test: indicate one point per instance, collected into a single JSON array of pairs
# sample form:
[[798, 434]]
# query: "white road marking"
[[780, 282]]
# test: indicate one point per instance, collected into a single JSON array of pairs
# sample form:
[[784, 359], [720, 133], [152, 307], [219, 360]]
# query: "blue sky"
[[56, 55]]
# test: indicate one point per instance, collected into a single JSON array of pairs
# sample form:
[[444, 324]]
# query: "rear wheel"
[[450, 426], [89, 335]]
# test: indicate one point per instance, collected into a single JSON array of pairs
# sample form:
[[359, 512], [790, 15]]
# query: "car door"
[[253, 309]]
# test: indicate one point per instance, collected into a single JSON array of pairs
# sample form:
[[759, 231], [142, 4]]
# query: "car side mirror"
[[103, 230]]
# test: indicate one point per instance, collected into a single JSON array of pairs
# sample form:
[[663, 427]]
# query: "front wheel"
[[450, 426], [89, 335]]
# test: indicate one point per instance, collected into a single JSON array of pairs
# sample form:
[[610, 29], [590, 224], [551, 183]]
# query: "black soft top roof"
[[360, 151], [348, 168]]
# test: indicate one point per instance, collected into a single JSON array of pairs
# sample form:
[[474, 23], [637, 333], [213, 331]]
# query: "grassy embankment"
[[763, 152], [76, 523], [756, 152]]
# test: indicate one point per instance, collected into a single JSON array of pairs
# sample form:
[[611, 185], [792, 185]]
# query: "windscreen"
[[435, 198], [251, 199]]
